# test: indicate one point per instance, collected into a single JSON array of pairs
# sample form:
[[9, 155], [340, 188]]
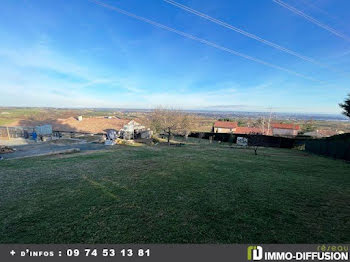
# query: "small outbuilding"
[[279, 129], [132, 130], [224, 127]]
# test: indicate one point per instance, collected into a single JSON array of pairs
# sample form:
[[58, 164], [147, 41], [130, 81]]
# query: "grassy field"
[[9, 116], [197, 193]]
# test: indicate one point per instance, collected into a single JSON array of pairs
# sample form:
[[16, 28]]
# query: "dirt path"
[[39, 149]]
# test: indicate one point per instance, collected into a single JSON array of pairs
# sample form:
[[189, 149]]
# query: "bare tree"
[[171, 121], [189, 122], [261, 124]]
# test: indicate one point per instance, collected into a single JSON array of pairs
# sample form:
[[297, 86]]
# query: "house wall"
[[223, 130], [284, 132]]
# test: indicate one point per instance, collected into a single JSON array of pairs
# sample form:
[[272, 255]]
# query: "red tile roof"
[[285, 126], [225, 124], [248, 130]]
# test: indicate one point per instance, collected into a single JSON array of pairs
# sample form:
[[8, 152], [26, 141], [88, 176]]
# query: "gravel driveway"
[[39, 149]]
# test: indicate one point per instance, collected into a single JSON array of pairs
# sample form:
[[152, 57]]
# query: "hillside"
[[197, 193]]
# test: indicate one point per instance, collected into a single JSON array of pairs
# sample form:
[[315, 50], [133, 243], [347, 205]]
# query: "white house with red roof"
[[225, 127], [279, 129]]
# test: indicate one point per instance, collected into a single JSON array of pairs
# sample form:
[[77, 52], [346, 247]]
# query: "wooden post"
[[8, 133]]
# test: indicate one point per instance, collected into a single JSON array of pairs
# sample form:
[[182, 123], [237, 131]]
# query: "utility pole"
[[269, 122], [263, 125], [8, 133]]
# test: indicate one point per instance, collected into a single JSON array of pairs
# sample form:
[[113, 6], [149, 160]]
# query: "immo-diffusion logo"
[[256, 253]]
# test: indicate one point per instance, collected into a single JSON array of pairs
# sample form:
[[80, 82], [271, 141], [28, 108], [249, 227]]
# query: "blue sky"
[[80, 54]]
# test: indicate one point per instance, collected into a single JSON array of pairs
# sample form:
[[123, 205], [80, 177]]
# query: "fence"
[[262, 140], [335, 146], [7, 133], [24, 132]]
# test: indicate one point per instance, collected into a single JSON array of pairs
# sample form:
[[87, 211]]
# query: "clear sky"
[[63, 53]]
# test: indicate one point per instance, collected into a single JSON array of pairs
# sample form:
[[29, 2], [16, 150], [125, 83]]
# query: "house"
[[224, 127], [248, 130], [279, 129]]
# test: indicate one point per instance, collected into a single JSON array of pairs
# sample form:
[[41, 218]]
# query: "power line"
[[204, 41], [312, 20], [319, 10], [250, 35]]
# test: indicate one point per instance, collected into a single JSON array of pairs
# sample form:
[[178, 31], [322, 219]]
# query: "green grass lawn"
[[197, 193], [6, 121]]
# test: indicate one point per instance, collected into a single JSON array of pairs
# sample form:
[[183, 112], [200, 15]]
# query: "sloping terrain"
[[197, 193], [71, 124]]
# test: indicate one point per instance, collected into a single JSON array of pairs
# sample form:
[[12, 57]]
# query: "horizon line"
[[195, 110]]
